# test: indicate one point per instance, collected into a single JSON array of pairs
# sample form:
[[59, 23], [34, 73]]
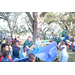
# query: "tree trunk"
[[11, 34], [36, 29], [44, 37]]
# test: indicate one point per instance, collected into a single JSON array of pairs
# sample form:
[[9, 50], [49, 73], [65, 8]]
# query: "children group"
[[8, 55]]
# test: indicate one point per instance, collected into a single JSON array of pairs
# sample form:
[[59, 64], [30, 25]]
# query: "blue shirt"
[[5, 59], [15, 52], [19, 54]]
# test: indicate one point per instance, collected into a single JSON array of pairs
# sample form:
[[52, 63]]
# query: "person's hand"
[[56, 45], [33, 45], [27, 47]]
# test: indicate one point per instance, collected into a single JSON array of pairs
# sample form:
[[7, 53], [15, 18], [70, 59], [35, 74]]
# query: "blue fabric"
[[21, 60], [66, 37], [46, 53], [74, 48]]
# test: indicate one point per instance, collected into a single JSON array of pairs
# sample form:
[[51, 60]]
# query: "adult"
[[58, 40], [28, 43], [38, 43]]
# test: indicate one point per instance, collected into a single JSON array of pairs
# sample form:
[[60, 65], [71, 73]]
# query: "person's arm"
[[27, 53], [59, 41], [11, 53], [20, 54], [28, 48], [60, 48], [30, 44]]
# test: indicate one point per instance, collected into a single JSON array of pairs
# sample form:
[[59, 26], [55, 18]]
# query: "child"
[[4, 47], [31, 58], [15, 52], [24, 53], [63, 51], [6, 57]]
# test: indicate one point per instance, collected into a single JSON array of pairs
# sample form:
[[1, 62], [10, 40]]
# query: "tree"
[[66, 21], [20, 30], [11, 18], [35, 24]]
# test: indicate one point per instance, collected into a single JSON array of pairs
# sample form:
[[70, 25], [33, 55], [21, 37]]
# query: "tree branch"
[[43, 17], [30, 18]]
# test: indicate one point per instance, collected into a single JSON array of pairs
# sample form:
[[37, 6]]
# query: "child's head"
[[32, 57], [63, 42], [16, 43], [6, 54], [24, 48], [4, 47]]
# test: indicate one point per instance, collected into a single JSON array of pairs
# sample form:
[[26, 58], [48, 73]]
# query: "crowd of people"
[[8, 54]]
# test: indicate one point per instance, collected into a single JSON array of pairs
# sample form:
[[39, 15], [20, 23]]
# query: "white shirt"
[[24, 54], [70, 43], [64, 51]]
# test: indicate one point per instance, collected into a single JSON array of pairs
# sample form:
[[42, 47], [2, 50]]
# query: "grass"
[[71, 56]]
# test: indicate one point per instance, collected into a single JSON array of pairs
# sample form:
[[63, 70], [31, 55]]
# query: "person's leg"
[[67, 58], [64, 59]]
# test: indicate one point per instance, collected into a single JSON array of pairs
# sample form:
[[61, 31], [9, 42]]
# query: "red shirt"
[[2, 58]]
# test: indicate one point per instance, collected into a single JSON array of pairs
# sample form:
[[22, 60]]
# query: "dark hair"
[[5, 53], [3, 46], [65, 42], [24, 47], [38, 36], [31, 56], [15, 42]]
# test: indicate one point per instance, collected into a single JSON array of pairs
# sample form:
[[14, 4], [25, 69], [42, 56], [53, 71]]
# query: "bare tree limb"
[[43, 17], [30, 18]]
